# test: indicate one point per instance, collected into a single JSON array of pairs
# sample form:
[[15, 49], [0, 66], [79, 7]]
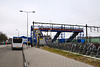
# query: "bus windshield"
[[19, 40]]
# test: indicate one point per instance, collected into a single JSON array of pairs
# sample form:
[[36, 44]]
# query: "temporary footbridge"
[[59, 28]]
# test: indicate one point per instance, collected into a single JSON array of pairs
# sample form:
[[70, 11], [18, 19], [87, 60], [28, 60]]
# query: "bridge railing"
[[57, 27]]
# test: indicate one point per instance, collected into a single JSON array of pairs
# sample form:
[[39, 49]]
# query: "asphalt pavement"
[[35, 57], [10, 58]]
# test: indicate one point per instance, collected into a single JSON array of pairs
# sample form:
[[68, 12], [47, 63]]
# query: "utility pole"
[[18, 32], [86, 33], [33, 33], [27, 22]]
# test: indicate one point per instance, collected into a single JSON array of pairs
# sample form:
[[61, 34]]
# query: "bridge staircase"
[[55, 37], [72, 37]]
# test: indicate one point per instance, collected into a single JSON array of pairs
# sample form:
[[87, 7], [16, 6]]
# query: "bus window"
[[19, 40]]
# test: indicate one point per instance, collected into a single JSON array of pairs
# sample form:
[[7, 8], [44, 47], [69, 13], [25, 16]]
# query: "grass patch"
[[81, 58]]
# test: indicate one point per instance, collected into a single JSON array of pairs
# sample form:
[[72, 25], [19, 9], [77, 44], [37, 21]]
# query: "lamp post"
[[18, 32], [27, 22]]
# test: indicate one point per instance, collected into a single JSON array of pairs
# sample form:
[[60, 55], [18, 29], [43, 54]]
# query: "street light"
[[27, 22], [18, 32]]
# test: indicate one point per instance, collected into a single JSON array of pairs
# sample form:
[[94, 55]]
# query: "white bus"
[[17, 43]]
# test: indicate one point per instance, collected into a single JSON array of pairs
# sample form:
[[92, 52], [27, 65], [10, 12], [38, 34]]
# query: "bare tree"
[[3, 37]]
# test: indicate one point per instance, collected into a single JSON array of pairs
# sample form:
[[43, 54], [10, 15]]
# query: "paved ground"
[[2, 46], [10, 58], [36, 57]]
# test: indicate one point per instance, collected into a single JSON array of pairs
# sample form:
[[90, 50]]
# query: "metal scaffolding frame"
[[85, 26]]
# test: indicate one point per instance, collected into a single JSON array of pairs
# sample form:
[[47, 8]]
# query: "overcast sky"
[[59, 11]]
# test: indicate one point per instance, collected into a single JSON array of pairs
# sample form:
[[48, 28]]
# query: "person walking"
[[4, 43]]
